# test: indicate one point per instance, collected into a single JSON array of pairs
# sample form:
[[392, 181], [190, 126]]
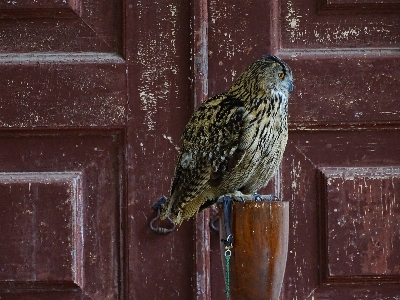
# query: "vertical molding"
[[275, 27], [199, 57], [199, 31], [202, 256]]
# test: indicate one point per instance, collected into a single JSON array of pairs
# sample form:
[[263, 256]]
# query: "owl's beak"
[[291, 86]]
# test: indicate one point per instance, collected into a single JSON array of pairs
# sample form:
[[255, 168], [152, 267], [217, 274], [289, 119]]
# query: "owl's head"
[[264, 76], [277, 74]]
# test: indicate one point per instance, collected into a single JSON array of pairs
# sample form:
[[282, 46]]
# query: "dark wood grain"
[[258, 261]]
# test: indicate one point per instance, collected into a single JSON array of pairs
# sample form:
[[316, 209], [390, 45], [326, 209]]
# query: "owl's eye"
[[281, 75]]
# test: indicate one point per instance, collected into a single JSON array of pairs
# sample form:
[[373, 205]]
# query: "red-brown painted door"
[[62, 149], [94, 96], [340, 171]]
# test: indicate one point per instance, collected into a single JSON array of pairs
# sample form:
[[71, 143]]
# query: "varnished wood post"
[[257, 265]]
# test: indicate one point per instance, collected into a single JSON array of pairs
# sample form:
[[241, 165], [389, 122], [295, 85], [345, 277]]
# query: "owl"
[[234, 142]]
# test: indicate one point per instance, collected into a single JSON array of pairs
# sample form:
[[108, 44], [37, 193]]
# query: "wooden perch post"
[[257, 264]]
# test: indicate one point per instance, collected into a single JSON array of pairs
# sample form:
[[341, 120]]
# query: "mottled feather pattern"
[[234, 141], [206, 146]]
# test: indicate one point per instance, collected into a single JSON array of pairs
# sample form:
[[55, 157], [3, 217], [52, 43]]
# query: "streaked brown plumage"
[[234, 141]]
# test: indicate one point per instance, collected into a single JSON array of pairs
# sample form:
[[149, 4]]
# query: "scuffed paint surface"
[[239, 34], [156, 55], [362, 210], [344, 190], [160, 105], [45, 26], [292, 19], [305, 27], [43, 94]]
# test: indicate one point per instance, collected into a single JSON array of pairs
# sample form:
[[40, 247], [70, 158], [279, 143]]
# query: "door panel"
[[367, 222], [343, 188], [60, 26], [346, 89], [334, 25], [60, 203], [43, 91]]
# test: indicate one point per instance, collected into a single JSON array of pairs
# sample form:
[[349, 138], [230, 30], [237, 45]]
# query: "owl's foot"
[[236, 196], [157, 207], [223, 200]]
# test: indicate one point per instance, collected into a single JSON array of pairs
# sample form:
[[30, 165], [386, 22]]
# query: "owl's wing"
[[210, 149]]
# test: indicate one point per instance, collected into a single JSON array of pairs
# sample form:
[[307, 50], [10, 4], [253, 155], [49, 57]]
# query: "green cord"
[[228, 254]]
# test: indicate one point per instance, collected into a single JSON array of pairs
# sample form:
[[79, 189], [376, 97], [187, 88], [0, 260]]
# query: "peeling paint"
[[293, 21], [83, 97], [306, 29], [350, 173], [169, 139], [362, 212], [157, 65], [232, 40]]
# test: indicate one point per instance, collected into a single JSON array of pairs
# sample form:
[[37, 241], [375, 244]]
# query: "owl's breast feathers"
[[223, 144]]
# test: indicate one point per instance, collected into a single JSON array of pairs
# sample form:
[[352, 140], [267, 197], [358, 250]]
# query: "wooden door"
[[62, 158], [340, 171], [94, 96]]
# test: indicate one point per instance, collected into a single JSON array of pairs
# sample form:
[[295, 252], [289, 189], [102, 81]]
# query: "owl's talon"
[[158, 205], [256, 197], [236, 196], [240, 199], [220, 199]]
